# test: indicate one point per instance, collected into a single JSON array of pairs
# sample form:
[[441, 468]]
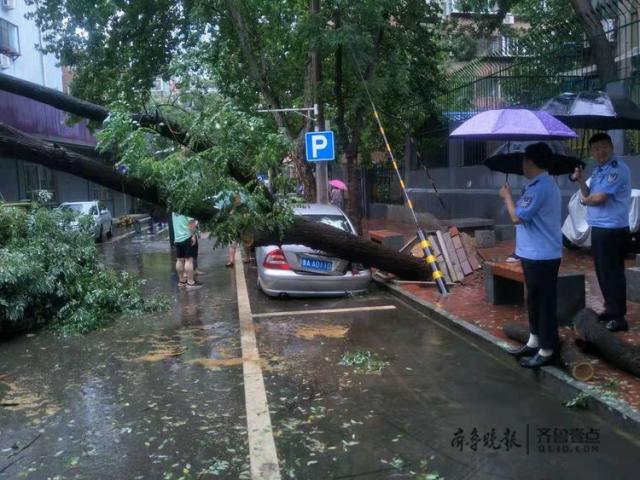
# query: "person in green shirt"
[[184, 230]]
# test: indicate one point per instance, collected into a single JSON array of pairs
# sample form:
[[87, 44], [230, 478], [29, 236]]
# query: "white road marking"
[[262, 447], [326, 311]]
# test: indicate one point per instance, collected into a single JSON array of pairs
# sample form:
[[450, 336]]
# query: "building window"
[[9, 40], [37, 177]]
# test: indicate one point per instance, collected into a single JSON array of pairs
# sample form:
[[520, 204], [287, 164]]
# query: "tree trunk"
[[354, 248], [617, 352], [571, 358], [304, 171], [18, 145], [601, 49]]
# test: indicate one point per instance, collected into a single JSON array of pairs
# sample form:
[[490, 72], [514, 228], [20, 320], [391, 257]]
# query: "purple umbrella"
[[513, 124]]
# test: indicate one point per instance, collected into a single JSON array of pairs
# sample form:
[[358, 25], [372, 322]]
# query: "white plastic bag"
[[575, 226]]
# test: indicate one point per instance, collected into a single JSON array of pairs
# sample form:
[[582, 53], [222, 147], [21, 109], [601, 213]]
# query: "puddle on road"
[[216, 363], [309, 332], [19, 399], [162, 353]]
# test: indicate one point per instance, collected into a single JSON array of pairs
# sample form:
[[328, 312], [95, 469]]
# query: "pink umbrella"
[[339, 184]]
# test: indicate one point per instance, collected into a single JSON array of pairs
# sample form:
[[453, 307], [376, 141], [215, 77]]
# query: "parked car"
[[299, 271], [102, 224]]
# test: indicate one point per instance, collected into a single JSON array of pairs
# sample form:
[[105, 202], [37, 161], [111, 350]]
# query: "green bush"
[[51, 273]]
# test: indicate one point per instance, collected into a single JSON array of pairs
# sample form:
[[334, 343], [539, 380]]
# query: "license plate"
[[315, 264]]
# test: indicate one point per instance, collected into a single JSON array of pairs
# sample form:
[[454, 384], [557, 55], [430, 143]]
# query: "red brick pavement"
[[467, 302]]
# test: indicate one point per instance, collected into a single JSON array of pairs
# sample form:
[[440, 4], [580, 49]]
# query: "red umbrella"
[[339, 184]]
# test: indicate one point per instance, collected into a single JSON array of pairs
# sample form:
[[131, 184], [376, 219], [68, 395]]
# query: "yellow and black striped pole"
[[429, 258]]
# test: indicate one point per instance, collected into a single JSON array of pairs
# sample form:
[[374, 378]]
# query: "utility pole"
[[322, 177]]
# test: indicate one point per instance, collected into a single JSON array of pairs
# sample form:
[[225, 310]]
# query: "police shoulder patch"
[[612, 177], [525, 201]]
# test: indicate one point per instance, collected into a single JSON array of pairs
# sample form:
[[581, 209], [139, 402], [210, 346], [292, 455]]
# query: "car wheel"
[[99, 238], [110, 232]]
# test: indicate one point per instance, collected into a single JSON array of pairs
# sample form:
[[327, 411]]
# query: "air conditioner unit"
[[509, 19], [5, 61], [8, 4]]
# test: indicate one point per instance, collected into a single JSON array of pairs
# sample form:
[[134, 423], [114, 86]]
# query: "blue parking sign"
[[319, 146]]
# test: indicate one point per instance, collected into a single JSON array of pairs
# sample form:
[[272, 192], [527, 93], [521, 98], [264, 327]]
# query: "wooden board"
[[465, 266], [453, 272], [470, 248], [451, 250], [417, 251], [437, 252]]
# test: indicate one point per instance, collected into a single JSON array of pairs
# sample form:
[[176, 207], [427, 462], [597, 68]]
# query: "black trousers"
[[541, 280], [609, 247]]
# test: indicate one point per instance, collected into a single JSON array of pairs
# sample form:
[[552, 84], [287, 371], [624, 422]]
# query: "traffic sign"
[[319, 146]]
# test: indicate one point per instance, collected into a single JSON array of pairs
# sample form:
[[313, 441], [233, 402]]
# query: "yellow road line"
[[262, 448]]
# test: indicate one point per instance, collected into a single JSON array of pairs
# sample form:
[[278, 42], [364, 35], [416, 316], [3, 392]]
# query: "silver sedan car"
[[299, 271]]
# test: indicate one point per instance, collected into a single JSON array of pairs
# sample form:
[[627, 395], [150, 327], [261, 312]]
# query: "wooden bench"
[[504, 284], [388, 238]]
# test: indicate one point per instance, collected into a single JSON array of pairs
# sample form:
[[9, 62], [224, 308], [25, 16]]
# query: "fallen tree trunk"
[[16, 144], [570, 357], [614, 350], [98, 113]]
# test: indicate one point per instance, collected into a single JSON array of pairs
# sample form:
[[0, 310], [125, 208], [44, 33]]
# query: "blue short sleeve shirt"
[[614, 179], [538, 236]]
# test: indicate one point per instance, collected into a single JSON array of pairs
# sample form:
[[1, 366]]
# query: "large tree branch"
[[16, 144], [91, 111]]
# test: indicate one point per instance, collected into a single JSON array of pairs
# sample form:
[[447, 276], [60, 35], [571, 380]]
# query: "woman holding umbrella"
[[336, 195], [537, 216]]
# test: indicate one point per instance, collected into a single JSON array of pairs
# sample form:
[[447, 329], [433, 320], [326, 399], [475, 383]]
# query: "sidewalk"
[[467, 302]]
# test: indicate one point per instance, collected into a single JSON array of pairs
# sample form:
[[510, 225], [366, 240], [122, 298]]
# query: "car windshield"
[[78, 207], [337, 221]]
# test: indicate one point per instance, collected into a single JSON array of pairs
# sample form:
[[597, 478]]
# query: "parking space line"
[[262, 448], [325, 311]]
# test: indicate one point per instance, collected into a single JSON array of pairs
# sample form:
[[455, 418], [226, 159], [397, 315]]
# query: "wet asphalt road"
[[161, 396]]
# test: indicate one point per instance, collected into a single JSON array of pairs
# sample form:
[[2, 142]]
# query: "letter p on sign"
[[319, 146]]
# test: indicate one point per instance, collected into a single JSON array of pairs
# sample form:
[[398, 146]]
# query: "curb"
[[615, 411]]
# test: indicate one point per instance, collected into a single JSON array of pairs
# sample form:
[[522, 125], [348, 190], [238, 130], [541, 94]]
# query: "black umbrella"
[[596, 110], [508, 158]]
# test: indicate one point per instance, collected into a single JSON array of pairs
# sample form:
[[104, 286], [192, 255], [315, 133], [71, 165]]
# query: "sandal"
[[181, 283], [229, 264]]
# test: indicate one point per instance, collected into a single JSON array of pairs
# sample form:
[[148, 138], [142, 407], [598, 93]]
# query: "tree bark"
[[304, 170], [16, 144], [571, 358], [91, 111], [614, 350], [601, 50]]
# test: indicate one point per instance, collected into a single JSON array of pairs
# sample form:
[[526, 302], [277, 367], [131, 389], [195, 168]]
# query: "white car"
[[299, 271], [96, 209]]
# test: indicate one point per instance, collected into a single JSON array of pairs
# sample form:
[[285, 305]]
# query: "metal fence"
[[500, 80]]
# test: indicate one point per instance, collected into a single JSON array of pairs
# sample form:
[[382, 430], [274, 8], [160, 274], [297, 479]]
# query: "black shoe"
[[603, 317], [538, 360], [523, 351], [619, 325]]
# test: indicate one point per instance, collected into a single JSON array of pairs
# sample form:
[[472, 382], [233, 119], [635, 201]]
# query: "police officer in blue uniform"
[[537, 216], [608, 199]]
